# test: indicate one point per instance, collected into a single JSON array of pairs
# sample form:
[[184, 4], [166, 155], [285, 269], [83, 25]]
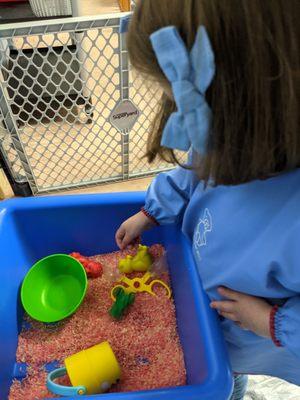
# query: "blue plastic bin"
[[36, 227]]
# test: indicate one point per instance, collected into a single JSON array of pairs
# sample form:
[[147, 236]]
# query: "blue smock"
[[246, 238]]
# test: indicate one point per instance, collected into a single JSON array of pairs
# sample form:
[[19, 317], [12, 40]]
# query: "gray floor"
[[21, 11], [18, 12]]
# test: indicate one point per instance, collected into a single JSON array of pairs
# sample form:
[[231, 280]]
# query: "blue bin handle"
[[63, 390]]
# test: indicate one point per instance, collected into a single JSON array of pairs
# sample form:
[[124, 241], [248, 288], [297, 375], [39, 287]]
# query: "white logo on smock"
[[203, 227]]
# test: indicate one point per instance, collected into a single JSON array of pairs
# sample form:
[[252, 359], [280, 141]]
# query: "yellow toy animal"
[[141, 262], [125, 265]]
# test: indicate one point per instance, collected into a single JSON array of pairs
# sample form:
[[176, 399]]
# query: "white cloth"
[[263, 387]]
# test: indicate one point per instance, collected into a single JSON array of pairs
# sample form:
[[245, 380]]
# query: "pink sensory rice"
[[145, 340]]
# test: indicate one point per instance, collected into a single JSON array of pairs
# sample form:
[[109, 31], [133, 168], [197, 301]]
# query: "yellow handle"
[[135, 285], [127, 290], [140, 286], [161, 283]]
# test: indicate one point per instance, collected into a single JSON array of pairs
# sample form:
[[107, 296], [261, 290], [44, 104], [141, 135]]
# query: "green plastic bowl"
[[54, 288]]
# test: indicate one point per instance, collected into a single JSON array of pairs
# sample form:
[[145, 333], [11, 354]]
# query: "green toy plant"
[[123, 301]]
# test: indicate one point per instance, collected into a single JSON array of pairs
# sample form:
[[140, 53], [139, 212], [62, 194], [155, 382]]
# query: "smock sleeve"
[[169, 195], [285, 320], [285, 325]]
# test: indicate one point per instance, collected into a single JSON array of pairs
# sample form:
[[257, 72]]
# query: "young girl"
[[229, 71]]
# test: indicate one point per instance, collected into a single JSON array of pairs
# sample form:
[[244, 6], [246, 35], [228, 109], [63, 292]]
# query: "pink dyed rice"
[[145, 341]]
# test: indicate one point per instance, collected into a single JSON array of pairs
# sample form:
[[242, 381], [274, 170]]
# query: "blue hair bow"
[[190, 76]]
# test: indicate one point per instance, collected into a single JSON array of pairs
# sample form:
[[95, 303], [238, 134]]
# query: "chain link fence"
[[60, 80]]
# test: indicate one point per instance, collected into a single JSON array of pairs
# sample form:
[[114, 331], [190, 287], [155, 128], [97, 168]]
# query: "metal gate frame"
[[74, 27]]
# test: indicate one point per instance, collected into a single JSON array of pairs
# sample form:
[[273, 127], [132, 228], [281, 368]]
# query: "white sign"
[[124, 116]]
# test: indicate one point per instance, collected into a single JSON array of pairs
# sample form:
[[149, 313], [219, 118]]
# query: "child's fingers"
[[230, 294], [223, 306], [137, 240], [127, 239], [119, 242], [240, 325], [120, 236], [230, 316]]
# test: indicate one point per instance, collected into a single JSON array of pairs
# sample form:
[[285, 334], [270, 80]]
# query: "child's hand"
[[248, 312], [132, 228]]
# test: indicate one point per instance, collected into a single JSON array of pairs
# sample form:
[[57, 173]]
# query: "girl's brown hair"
[[255, 93]]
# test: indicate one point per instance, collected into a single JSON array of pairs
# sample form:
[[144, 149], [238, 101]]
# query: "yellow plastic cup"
[[95, 368], [91, 371]]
